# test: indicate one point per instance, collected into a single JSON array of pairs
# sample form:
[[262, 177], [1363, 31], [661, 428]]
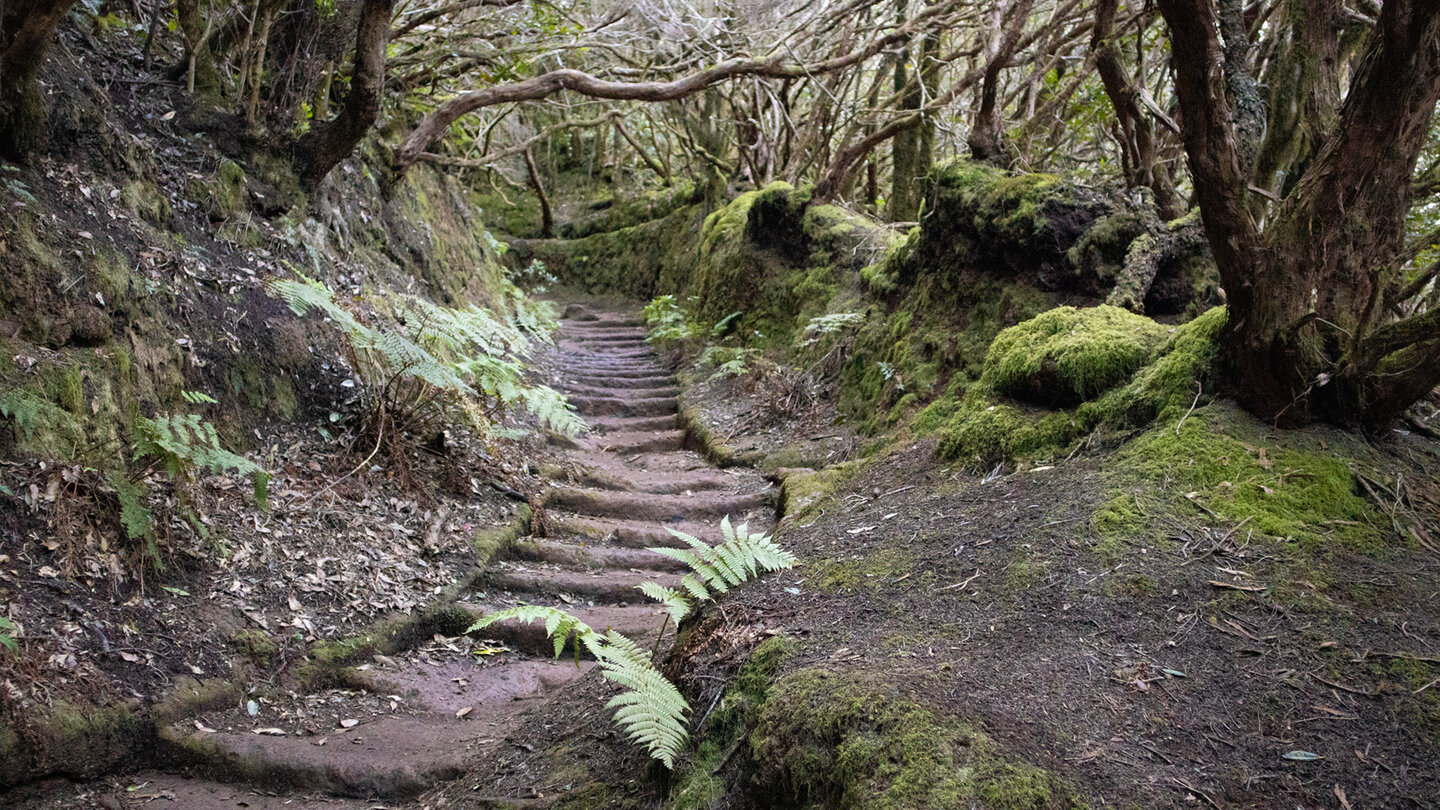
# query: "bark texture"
[[329, 142], [26, 29], [1309, 336]]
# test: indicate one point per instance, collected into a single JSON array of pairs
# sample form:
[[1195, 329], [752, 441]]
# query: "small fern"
[[7, 628], [651, 710], [27, 411], [740, 556], [559, 625]]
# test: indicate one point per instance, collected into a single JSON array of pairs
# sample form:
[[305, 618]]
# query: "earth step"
[[659, 508], [664, 380], [639, 621], [608, 322], [387, 756], [540, 549], [623, 424], [623, 390], [606, 338], [615, 355], [635, 442], [617, 369], [184, 793], [606, 585], [671, 483], [614, 406], [639, 534]]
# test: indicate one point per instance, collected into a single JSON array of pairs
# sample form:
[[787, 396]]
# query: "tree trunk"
[[547, 219], [904, 200], [1138, 137], [987, 136], [329, 142], [26, 28], [1308, 336]]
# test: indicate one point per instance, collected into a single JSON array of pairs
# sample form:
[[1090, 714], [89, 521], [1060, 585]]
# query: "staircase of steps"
[[426, 716]]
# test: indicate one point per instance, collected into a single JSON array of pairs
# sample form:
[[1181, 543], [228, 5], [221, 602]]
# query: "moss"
[[191, 696], [255, 646], [223, 195], [851, 741], [1225, 461], [698, 784], [872, 572], [1185, 359], [803, 494], [79, 741], [66, 386], [1067, 355], [1024, 570], [1130, 585], [146, 200]]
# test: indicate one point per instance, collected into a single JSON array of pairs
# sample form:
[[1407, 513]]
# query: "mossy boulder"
[[1067, 356], [852, 740]]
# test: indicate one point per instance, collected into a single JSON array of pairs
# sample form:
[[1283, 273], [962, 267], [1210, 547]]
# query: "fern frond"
[[674, 602], [559, 625], [28, 411], [652, 711], [554, 411]]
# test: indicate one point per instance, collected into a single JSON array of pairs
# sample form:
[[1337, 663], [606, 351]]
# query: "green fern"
[[7, 640], [559, 625], [432, 364], [134, 515], [27, 411], [651, 710], [741, 556]]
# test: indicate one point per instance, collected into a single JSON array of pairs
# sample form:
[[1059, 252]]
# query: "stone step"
[[638, 534], [659, 380], [392, 755], [640, 621], [661, 483], [662, 441], [606, 338], [657, 508], [622, 390], [606, 585], [580, 554], [614, 406], [624, 424]]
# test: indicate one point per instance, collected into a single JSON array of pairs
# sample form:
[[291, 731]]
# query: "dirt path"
[[402, 725]]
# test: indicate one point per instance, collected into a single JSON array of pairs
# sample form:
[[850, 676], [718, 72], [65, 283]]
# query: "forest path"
[[415, 721]]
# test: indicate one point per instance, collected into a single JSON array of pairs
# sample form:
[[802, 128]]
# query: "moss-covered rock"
[[1067, 355], [222, 196], [851, 740]]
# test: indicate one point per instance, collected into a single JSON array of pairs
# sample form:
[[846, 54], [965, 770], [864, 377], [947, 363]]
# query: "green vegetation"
[[847, 741], [652, 710], [431, 366], [1068, 356], [1101, 345], [1284, 485]]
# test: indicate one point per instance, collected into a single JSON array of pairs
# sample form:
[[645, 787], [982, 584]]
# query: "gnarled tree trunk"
[[1309, 336], [329, 142], [26, 28]]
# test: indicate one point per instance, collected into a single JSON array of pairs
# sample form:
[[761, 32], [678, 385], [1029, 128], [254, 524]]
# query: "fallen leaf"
[[349, 723], [461, 714], [1344, 800], [1250, 588], [273, 732], [199, 726], [131, 657], [1301, 756], [167, 116]]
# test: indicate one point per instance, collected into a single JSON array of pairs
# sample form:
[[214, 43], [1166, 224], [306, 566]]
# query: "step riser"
[[610, 406], [550, 551], [659, 508]]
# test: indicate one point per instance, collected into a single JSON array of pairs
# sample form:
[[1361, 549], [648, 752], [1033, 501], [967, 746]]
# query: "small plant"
[[821, 328], [729, 361], [7, 629], [182, 446], [669, 322], [651, 710]]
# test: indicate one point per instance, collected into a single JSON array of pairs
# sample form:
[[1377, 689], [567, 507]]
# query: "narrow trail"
[[428, 714]]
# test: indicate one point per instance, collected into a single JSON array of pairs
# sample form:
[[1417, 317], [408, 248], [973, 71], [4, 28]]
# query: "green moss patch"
[[1222, 460], [852, 741], [1067, 355]]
